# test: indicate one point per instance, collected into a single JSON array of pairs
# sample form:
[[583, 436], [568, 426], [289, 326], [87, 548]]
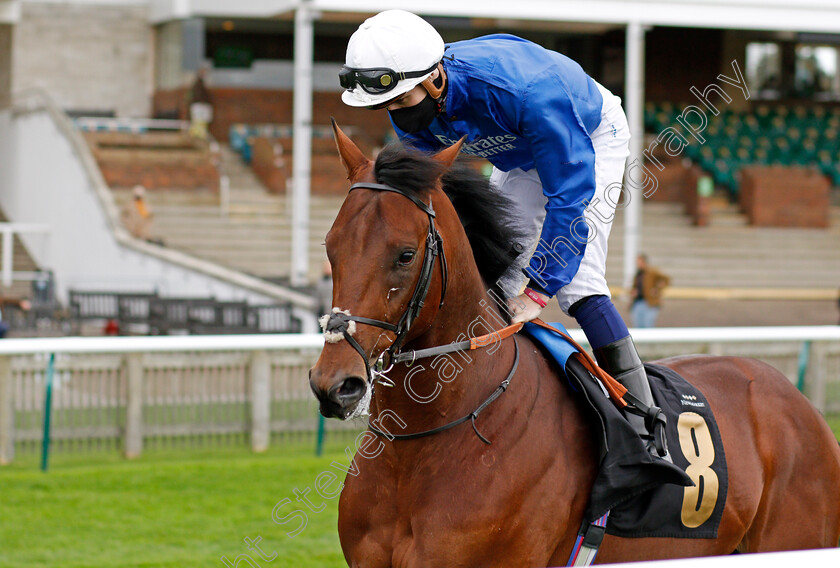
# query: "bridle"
[[338, 322]]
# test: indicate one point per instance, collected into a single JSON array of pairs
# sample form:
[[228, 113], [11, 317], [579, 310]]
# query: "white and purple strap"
[[588, 541]]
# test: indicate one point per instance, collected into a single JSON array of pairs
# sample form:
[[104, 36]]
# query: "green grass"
[[834, 421], [165, 509], [169, 509]]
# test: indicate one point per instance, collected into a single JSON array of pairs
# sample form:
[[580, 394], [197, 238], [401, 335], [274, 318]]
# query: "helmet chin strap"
[[435, 91]]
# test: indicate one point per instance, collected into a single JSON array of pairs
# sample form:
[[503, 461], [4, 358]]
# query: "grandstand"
[[225, 207], [771, 134]]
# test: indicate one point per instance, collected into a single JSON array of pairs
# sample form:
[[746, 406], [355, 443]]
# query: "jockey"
[[558, 142]]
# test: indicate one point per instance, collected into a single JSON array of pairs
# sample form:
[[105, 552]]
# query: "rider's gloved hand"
[[527, 306]]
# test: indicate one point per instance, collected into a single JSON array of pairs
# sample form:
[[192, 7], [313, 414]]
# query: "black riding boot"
[[621, 360]]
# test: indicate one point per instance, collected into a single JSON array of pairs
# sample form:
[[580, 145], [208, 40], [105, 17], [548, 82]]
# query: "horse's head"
[[387, 263]]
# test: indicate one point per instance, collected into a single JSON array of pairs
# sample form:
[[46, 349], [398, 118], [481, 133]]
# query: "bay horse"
[[450, 499]]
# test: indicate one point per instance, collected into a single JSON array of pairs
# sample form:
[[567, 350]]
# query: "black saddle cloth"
[[652, 497], [696, 447]]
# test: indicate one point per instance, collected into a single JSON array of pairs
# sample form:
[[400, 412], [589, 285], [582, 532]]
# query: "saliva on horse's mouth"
[[362, 407], [330, 409]]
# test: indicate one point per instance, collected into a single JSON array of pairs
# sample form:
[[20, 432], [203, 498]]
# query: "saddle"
[[642, 496]]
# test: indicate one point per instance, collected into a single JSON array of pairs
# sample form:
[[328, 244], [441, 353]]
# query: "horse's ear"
[[447, 155], [351, 157]]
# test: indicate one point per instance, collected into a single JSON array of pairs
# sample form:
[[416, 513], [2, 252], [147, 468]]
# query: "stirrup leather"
[[655, 422]]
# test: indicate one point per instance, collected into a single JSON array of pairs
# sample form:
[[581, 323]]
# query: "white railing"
[[9, 230], [135, 125], [825, 558], [134, 392], [160, 344], [642, 337]]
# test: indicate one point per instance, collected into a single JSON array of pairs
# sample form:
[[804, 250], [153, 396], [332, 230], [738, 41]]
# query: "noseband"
[[339, 322]]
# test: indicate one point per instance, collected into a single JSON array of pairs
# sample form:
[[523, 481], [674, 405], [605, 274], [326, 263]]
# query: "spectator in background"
[[648, 285], [200, 105], [137, 216], [22, 304]]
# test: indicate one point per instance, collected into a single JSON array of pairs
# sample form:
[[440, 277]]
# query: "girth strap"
[[588, 541]]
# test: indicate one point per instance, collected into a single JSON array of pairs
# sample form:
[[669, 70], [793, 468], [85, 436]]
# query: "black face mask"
[[417, 117]]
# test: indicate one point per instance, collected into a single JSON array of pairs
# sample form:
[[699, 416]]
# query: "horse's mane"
[[486, 215]]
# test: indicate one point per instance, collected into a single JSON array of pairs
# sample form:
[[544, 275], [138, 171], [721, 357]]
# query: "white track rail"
[[827, 558], [315, 341]]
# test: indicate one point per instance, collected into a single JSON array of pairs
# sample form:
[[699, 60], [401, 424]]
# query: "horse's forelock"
[[487, 216], [408, 170]]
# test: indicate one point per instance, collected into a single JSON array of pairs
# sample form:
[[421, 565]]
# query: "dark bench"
[[195, 316]]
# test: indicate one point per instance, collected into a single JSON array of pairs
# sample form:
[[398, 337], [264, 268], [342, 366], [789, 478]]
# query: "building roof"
[[822, 16]]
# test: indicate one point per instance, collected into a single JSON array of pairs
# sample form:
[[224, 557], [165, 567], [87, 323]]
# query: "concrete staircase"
[[729, 253], [255, 236], [21, 262]]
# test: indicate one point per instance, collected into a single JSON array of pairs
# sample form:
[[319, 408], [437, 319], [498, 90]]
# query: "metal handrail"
[[8, 231]]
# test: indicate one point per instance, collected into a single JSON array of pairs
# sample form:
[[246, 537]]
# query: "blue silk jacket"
[[523, 106]]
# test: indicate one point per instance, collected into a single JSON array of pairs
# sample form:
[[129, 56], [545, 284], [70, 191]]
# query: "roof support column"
[[634, 103], [302, 142]]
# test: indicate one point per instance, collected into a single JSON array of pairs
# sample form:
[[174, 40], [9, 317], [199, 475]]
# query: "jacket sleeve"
[[660, 280], [565, 161]]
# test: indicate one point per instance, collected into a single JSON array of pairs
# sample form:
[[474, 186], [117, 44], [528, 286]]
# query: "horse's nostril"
[[348, 391]]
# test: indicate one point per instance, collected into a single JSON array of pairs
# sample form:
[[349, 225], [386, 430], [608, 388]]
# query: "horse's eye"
[[406, 258]]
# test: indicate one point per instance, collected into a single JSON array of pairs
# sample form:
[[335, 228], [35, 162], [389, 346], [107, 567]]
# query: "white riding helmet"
[[387, 56]]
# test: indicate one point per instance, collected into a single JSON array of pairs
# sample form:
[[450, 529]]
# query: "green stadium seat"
[[824, 161], [802, 135], [761, 156], [777, 126], [830, 139], [793, 135], [763, 113], [723, 152]]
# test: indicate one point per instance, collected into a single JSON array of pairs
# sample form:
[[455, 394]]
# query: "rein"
[[471, 416]]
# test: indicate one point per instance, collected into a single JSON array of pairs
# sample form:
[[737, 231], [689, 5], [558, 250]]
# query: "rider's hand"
[[523, 308]]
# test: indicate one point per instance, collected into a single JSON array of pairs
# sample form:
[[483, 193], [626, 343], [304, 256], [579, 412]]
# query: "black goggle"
[[376, 80]]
